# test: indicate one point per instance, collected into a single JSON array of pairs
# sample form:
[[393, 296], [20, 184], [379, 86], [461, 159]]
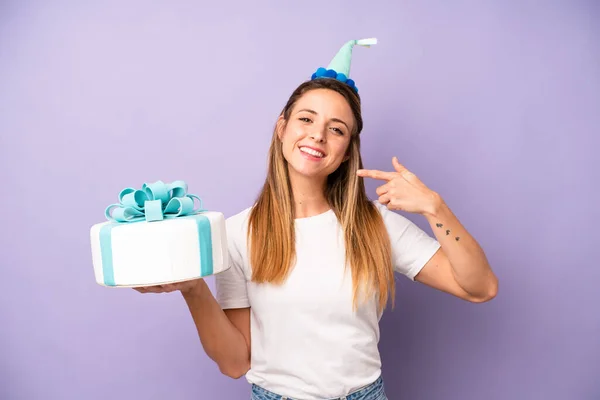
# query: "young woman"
[[313, 260]]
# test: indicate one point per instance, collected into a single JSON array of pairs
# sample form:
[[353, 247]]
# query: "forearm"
[[469, 262], [221, 340]]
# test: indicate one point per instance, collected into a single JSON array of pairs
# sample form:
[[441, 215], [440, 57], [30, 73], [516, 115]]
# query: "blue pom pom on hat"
[[339, 67]]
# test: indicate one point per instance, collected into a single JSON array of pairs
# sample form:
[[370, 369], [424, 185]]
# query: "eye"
[[338, 130], [305, 119]]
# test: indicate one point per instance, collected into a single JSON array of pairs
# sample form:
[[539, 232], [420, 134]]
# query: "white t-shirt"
[[306, 340]]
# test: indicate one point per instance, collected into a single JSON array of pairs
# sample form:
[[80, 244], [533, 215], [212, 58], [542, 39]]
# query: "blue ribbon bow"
[[153, 202]]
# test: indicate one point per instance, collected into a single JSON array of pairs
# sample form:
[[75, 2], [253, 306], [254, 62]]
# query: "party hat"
[[339, 67]]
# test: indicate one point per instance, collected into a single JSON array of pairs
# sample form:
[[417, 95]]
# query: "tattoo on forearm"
[[447, 231]]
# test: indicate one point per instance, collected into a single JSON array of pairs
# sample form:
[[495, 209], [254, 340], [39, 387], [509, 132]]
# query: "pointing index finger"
[[375, 174]]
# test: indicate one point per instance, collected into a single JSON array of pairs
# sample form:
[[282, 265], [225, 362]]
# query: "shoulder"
[[412, 247], [405, 235], [237, 226], [236, 229], [239, 220], [392, 220]]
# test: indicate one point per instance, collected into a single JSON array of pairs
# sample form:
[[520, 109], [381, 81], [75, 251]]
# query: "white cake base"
[[159, 252]]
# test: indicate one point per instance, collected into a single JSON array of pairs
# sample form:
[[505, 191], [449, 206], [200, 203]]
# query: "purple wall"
[[495, 106]]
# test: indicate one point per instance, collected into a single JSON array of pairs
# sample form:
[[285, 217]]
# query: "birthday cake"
[[156, 235]]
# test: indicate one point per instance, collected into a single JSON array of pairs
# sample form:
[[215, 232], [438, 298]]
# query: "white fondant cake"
[[151, 253], [156, 235]]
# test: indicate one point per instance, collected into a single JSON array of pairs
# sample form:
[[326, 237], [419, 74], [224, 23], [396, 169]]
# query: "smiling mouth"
[[312, 152]]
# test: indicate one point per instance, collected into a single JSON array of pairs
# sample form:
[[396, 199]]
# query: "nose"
[[318, 135]]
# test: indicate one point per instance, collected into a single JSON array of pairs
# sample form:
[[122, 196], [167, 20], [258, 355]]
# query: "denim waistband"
[[374, 391]]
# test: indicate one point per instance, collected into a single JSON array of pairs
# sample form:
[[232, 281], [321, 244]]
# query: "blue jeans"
[[374, 391]]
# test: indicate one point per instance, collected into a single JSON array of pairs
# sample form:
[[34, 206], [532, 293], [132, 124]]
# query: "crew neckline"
[[314, 217]]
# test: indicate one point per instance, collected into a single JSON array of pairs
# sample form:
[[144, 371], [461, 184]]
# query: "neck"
[[309, 196]]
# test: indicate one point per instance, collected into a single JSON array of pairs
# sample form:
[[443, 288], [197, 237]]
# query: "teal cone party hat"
[[339, 67]]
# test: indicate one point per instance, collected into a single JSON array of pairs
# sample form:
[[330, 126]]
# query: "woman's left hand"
[[403, 190]]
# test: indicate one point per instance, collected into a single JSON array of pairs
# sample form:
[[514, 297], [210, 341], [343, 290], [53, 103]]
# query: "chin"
[[304, 170], [312, 173], [307, 173]]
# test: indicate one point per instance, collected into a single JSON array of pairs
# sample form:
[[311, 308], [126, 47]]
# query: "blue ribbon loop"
[[153, 202]]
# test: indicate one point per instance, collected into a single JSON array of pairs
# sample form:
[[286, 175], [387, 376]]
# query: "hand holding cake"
[[183, 287]]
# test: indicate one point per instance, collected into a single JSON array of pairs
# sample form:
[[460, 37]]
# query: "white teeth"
[[311, 152]]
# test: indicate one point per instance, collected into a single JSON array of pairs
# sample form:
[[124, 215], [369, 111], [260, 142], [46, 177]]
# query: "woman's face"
[[317, 135]]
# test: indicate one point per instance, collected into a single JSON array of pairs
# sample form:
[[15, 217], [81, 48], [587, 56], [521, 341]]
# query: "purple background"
[[493, 104]]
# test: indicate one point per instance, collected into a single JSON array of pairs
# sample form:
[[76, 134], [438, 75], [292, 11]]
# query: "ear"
[[280, 126]]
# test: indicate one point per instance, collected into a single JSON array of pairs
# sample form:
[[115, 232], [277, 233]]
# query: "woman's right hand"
[[183, 287]]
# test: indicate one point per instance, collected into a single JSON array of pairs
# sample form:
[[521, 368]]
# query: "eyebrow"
[[333, 119]]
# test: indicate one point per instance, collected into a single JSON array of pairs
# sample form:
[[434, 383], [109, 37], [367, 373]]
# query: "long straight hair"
[[271, 231]]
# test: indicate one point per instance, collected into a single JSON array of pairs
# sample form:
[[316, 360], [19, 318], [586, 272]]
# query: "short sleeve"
[[231, 285], [411, 246]]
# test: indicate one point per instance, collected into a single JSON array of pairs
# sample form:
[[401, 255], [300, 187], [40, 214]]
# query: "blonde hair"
[[271, 221]]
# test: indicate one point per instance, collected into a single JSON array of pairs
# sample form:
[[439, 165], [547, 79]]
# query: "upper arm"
[[232, 296], [240, 318], [437, 273], [231, 284]]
